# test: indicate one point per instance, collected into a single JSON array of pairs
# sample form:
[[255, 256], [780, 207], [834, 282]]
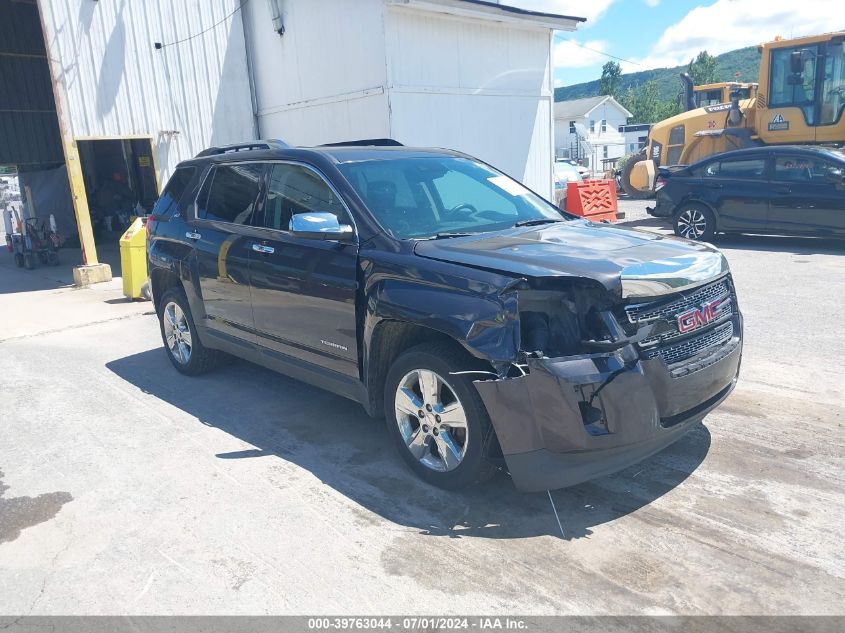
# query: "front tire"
[[694, 222], [437, 419], [179, 334]]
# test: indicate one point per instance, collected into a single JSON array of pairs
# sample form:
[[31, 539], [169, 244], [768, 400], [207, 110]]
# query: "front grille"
[[644, 312], [669, 343], [672, 354]]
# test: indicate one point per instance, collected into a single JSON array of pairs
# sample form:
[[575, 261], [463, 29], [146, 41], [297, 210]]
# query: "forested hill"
[[746, 61]]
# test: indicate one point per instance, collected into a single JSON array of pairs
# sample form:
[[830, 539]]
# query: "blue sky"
[[661, 33]]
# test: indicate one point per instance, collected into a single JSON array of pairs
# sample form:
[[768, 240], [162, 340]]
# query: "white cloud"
[[568, 53], [652, 3], [729, 24], [592, 10]]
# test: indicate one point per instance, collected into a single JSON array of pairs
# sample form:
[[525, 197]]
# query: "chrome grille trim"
[[672, 354], [644, 312]]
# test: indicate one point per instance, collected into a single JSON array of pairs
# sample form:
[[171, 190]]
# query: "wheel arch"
[[388, 340], [162, 280]]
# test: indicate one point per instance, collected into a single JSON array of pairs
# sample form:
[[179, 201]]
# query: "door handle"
[[714, 185], [193, 236], [261, 248], [783, 191]]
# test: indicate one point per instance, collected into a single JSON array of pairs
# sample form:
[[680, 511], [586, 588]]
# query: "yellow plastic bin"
[[133, 258]]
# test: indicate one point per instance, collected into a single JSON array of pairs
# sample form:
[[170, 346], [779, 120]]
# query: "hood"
[[628, 262]]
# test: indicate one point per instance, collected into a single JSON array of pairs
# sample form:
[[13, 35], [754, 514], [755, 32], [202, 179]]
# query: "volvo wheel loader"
[[799, 100]]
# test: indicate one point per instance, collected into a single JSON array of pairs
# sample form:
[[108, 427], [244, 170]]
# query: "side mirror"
[[796, 62], [319, 226]]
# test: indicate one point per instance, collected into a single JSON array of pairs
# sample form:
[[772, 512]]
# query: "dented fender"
[[483, 319]]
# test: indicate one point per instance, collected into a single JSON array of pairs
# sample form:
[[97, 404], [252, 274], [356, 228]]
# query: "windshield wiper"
[[443, 236], [536, 222]]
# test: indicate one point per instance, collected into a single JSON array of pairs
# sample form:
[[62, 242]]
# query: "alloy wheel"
[[692, 223], [177, 333], [432, 420]]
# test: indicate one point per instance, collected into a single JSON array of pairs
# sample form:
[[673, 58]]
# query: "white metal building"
[[138, 85], [467, 75]]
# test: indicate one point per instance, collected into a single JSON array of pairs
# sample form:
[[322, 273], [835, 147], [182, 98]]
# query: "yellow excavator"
[[799, 100]]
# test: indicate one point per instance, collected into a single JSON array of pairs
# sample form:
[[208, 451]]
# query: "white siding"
[[115, 83], [476, 86], [324, 79]]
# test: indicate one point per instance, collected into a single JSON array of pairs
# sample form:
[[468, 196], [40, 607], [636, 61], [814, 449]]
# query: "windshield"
[[436, 196]]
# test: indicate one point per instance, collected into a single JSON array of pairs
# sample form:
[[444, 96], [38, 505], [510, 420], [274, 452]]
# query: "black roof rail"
[[272, 143], [366, 142]]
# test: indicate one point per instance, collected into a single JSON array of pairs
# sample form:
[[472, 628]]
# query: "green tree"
[[611, 79], [646, 105], [702, 69]]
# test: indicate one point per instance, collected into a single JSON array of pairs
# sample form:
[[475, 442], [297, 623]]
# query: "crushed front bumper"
[[577, 418]]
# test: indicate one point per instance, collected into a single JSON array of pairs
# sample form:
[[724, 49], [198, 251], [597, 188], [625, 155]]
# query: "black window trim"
[[263, 199], [209, 174]]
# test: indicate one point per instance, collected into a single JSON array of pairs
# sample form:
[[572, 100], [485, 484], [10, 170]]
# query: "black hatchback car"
[[798, 190]]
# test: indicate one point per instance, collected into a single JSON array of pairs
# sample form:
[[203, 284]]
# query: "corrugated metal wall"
[[115, 83], [29, 129]]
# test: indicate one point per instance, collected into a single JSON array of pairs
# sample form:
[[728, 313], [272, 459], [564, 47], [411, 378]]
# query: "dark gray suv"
[[489, 328]]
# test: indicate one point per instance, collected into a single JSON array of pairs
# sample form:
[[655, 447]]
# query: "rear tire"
[[694, 222], [18, 260], [28, 261], [179, 334], [437, 420]]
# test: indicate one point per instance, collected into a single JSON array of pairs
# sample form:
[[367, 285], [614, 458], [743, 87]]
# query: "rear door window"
[[232, 193], [174, 199], [745, 169]]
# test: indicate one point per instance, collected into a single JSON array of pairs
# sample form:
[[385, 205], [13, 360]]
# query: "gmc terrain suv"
[[489, 328]]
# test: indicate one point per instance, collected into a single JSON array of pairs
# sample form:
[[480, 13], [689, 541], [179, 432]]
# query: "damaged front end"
[[601, 382]]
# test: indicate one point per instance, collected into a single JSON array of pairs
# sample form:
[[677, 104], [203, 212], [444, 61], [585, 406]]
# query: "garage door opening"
[[120, 183]]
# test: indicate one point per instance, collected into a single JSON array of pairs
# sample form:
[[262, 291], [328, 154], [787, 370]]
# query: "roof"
[[766, 150], [335, 154], [582, 107], [519, 11], [494, 10]]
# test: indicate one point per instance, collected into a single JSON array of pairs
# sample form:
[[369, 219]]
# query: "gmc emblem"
[[695, 318]]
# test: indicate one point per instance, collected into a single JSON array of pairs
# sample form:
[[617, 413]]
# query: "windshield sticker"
[[509, 186]]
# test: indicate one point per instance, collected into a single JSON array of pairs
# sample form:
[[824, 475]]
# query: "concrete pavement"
[[127, 488]]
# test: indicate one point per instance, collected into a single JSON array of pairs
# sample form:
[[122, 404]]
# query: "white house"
[[636, 136], [463, 74], [589, 130]]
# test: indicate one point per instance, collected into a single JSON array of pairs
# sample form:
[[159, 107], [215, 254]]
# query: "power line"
[[593, 50], [159, 45]]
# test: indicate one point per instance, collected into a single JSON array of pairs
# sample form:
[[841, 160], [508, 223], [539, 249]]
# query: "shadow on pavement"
[[338, 443], [656, 223], [781, 244]]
